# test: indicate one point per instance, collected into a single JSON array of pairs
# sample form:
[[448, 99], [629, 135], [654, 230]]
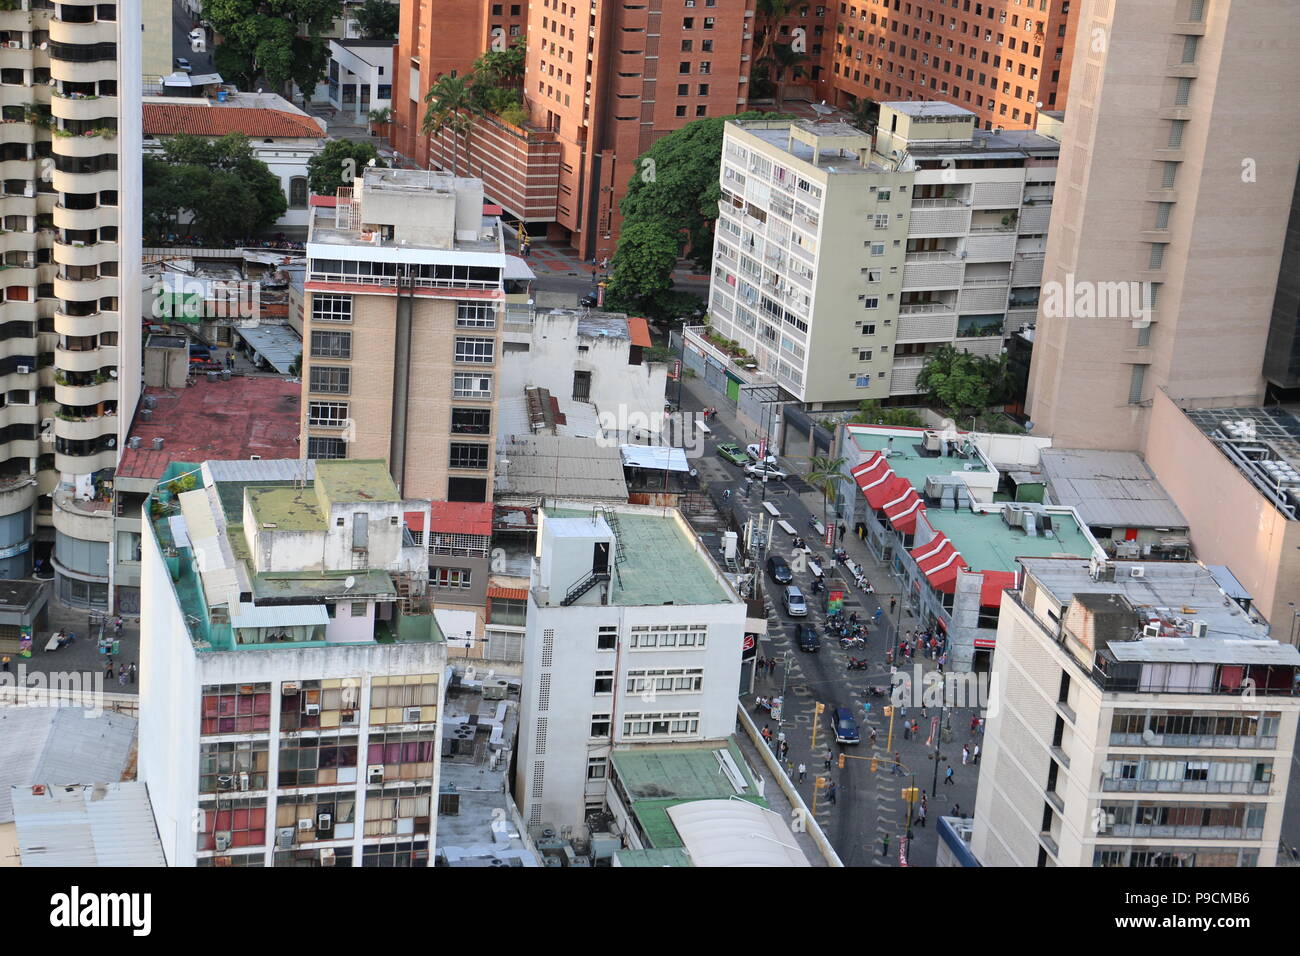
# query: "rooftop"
[[549, 466], [660, 561], [1264, 444], [108, 824], [838, 162], [279, 345], [928, 109], [356, 480], [1110, 488], [908, 458], [989, 544], [235, 419], [201, 119]]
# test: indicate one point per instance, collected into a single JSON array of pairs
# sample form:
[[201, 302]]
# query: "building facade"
[[1122, 736], [1151, 209], [291, 669], [633, 636], [402, 331], [933, 233]]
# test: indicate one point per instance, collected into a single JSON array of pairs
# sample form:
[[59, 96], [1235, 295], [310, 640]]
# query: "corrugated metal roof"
[[99, 825], [554, 465], [60, 745], [283, 615], [265, 469], [1112, 489], [278, 344]]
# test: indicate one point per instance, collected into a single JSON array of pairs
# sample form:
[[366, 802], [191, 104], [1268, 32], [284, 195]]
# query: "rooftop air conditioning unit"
[[284, 838], [375, 774], [311, 710], [1138, 572], [306, 823], [223, 842], [413, 715], [324, 821], [15, 44], [1200, 628], [288, 687], [327, 856], [1151, 630]]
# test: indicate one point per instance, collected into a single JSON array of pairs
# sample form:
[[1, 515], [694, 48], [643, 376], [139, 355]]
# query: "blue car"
[[844, 726]]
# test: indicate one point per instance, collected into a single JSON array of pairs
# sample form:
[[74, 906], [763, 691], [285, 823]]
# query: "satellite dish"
[[1148, 736], [350, 583], [1029, 426]]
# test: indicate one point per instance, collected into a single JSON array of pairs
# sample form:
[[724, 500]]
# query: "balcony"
[[93, 218], [927, 327], [85, 254], [948, 220], [92, 108], [77, 518], [84, 182], [101, 390], [85, 360], [84, 290], [81, 326], [85, 429]]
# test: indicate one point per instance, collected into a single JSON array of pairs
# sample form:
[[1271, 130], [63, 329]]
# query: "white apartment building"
[[1142, 718], [69, 363], [291, 669], [841, 261], [633, 636]]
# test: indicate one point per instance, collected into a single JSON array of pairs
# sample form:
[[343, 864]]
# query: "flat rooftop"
[[1110, 488], [1264, 444], [838, 162], [660, 562], [928, 109], [988, 544], [234, 419], [1184, 588], [108, 824], [909, 460]]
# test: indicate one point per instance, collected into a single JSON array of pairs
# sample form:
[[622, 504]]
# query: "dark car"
[[589, 300], [779, 570], [844, 726], [806, 639]]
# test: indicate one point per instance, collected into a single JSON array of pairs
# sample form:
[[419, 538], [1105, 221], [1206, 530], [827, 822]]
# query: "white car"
[[752, 451], [768, 471]]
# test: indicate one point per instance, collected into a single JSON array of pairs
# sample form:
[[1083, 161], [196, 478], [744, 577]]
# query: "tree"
[[449, 104], [282, 40], [872, 413], [642, 266], [825, 474], [219, 184], [866, 114], [957, 380], [378, 19], [337, 164], [770, 15]]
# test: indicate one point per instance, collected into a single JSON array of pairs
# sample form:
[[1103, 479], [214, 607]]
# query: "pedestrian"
[[785, 749], [122, 675], [829, 757], [771, 666], [965, 754], [830, 794], [108, 670], [974, 723], [762, 664], [780, 736], [907, 731], [767, 733], [947, 777], [925, 711], [981, 727], [902, 712], [117, 627], [956, 810], [898, 764], [975, 757], [4, 663], [879, 613], [920, 816], [916, 728], [843, 530], [873, 736], [893, 603], [884, 845], [803, 770]]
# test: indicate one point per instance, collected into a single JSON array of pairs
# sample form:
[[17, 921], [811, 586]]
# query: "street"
[[868, 806], [182, 23]]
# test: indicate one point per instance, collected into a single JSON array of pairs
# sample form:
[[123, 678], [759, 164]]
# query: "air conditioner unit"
[[325, 821], [1200, 628], [23, 369], [284, 838], [15, 44], [1137, 572], [305, 824], [226, 782], [243, 780], [413, 715], [375, 774], [288, 688], [223, 842], [327, 856], [311, 710], [348, 718], [1151, 630]]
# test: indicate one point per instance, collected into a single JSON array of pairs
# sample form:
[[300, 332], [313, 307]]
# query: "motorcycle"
[[856, 643], [858, 663], [878, 691]]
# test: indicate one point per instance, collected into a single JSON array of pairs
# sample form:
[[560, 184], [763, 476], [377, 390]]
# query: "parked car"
[[806, 639], [183, 65], [589, 301], [760, 470], [732, 453], [795, 605], [199, 350], [779, 570], [752, 450], [844, 726]]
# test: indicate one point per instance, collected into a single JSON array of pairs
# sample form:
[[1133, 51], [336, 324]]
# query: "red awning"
[[513, 594], [902, 511], [870, 471], [986, 642], [923, 552], [995, 582], [940, 563], [884, 490]]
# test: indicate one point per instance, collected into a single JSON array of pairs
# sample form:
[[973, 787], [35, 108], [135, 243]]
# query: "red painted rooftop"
[[454, 517], [168, 119], [215, 420]]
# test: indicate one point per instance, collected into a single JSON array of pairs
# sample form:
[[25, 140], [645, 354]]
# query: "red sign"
[[749, 643], [902, 851], [830, 535]]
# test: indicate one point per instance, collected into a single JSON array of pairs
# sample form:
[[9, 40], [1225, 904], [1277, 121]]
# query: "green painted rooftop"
[[658, 778], [288, 509], [666, 857], [907, 461], [987, 544], [360, 479], [660, 563]]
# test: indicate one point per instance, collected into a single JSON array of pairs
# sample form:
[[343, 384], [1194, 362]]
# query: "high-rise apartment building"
[[610, 78], [634, 637], [70, 94], [291, 668], [443, 39], [1152, 205], [401, 331], [1005, 61], [842, 261], [1142, 718]]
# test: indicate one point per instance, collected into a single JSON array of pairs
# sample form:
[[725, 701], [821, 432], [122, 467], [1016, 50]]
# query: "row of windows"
[[669, 636]]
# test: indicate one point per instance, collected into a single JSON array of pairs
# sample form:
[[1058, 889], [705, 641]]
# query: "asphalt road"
[[182, 24]]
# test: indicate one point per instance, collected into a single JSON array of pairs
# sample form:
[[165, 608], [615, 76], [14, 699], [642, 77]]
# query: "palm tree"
[[381, 118], [771, 13], [449, 108], [825, 474], [785, 59]]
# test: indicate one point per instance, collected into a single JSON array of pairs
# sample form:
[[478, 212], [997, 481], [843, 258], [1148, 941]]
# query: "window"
[[1168, 175], [883, 195], [676, 680], [604, 682], [464, 385], [327, 414], [704, 67], [326, 448], [871, 302], [596, 767], [1189, 48], [298, 192], [391, 699], [327, 379], [864, 355], [600, 725], [475, 315], [473, 350], [508, 611], [683, 723], [360, 609], [868, 328], [458, 578], [877, 248], [331, 308], [328, 343], [1157, 255], [1162, 214], [471, 421], [236, 708], [1135, 384], [468, 455], [669, 635], [1183, 92], [607, 638], [1176, 128], [881, 220], [229, 765]]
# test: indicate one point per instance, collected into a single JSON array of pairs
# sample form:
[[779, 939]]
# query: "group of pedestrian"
[[125, 672], [968, 755]]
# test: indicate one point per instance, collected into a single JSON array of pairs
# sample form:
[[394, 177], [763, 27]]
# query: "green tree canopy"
[[337, 164], [378, 19], [873, 413], [279, 39], [966, 383], [225, 190]]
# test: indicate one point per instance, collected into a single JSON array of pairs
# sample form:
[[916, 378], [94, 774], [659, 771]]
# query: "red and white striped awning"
[[939, 561]]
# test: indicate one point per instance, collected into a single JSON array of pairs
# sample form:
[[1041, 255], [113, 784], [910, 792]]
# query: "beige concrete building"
[[1121, 732], [402, 331], [842, 261], [1178, 165]]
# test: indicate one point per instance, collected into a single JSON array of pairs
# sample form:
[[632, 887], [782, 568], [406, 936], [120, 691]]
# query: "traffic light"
[[843, 761], [911, 794], [875, 761], [819, 709]]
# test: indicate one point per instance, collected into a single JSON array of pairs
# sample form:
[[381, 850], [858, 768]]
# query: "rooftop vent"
[[157, 444], [133, 441]]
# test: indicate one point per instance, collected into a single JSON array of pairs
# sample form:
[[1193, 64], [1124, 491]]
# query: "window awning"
[[988, 642], [995, 582], [903, 510], [939, 561]]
